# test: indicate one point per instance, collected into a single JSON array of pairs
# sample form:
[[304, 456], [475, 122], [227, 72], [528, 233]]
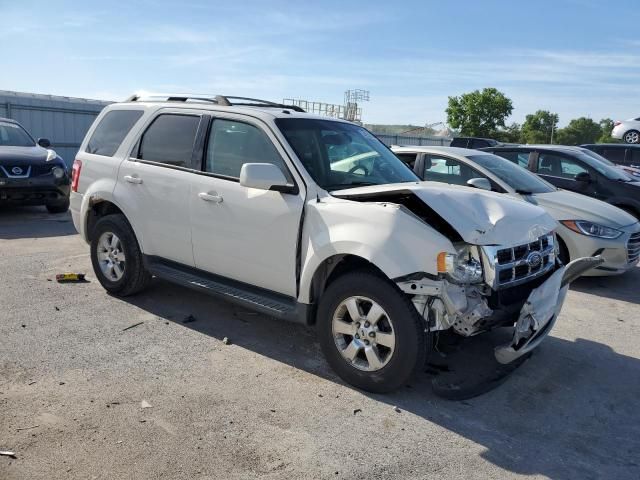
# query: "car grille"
[[26, 170], [633, 248], [519, 264]]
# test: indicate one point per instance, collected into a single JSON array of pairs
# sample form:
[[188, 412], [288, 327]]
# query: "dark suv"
[[30, 172], [573, 169], [618, 153]]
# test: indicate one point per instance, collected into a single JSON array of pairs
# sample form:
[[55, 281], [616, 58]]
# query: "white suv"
[[313, 220]]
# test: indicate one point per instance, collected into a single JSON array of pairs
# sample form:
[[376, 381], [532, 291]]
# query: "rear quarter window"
[[111, 130]]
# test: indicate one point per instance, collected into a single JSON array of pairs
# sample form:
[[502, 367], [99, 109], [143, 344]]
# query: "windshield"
[[13, 135], [604, 166], [521, 180], [342, 155]]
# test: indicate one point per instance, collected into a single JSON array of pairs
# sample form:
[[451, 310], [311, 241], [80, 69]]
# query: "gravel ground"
[[81, 397]]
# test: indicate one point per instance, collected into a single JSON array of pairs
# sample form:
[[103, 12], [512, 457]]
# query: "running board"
[[253, 298]]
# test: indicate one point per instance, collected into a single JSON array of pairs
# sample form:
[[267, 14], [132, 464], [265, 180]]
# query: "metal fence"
[[402, 140], [63, 120]]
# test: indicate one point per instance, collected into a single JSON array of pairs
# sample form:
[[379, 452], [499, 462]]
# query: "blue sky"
[[573, 57]]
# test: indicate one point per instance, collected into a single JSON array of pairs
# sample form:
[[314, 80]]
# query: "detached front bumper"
[[540, 311]]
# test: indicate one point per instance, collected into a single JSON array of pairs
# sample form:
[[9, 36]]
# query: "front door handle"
[[133, 179], [210, 197]]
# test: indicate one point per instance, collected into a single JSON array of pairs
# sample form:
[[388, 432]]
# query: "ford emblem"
[[16, 171], [534, 259]]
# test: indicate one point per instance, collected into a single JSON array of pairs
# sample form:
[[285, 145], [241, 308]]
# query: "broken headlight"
[[461, 267]]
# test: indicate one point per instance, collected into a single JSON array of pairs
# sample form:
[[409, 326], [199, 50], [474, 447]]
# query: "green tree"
[[606, 125], [479, 113], [580, 130], [537, 127], [510, 134]]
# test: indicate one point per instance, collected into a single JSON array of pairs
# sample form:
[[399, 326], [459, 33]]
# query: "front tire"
[[116, 257], [370, 332], [632, 136]]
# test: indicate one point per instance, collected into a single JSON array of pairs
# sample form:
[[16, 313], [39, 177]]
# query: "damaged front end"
[[521, 286]]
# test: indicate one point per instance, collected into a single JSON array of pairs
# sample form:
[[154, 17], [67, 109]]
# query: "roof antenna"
[[317, 198]]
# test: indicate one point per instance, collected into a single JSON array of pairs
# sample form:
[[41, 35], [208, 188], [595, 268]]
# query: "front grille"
[[633, 248], [26, 170], [521, 263]]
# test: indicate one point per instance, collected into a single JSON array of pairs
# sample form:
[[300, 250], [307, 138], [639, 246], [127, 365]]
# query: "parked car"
[[473, 142], [570, 168], [586, 226], [239, 198], [627, 130], [625, 156], [30, 172]]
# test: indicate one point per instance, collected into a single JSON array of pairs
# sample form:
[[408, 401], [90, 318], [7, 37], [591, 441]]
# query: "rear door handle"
[[133, 179], [210, 197]]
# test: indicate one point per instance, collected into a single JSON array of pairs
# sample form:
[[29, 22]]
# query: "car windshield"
[[521, 180], [596, 162], [13, 135], [341, 155]]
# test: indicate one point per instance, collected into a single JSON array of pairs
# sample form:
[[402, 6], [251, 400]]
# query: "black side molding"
[[253, 298]]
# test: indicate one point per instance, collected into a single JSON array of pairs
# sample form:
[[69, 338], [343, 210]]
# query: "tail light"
[[75, 175], [616, 123]]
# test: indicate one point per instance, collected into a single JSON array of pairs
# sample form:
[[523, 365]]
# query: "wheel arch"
[[330, 269]]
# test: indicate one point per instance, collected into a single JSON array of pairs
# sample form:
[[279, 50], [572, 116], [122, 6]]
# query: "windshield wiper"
[[523, 192]]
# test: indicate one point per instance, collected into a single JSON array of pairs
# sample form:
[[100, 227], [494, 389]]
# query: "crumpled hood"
[[565, 205], [479, 216], [22, 155]]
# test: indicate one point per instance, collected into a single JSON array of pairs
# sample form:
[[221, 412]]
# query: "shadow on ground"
[[568, 412], [33, 222], [620, 287]]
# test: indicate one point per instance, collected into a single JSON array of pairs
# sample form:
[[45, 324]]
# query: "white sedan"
[[587, 227]]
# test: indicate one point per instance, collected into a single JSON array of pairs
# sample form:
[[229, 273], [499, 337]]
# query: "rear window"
[[170, 140], [111, 130]]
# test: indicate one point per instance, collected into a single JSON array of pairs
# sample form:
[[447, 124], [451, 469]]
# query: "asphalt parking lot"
[[82, 396]]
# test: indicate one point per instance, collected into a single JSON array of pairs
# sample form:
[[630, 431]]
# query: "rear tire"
[[116, 257], [632, 136], [58, 207], [391, 343]]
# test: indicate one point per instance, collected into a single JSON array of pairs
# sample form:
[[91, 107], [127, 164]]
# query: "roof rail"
[[223, 100]]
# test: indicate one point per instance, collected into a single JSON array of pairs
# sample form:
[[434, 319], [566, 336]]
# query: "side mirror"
[[481, 183], [44, 142], [265, 176], [583, 177]]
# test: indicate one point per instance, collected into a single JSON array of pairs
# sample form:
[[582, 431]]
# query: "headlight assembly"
[[461, 267], [591, 229], [57, 172]]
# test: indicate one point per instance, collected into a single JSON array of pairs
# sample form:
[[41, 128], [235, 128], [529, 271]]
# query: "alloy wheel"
[[111, 256], [363, 333]]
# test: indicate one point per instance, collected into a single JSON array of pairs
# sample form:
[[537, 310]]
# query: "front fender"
[[385, 234]]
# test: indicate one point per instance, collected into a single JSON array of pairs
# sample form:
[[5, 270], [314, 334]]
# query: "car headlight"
[[591, 229], [51, 154], [57, 172], [461, 267]]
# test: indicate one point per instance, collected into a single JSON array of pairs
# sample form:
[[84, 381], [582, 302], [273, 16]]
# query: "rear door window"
[[111, 130], [559, 166], [170, 140], [635, 156]]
